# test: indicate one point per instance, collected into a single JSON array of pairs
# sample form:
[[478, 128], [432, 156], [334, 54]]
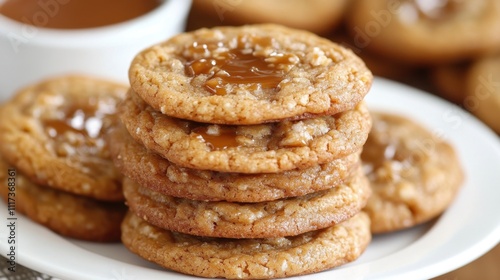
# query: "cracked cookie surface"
[[283, 217], [152, 171], [248, 258], [249, 75], [263, 148]]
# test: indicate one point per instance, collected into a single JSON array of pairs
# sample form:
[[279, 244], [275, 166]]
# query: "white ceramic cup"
[[29, 54]]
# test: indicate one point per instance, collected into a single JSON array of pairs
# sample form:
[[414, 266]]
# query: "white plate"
[[468, 229]]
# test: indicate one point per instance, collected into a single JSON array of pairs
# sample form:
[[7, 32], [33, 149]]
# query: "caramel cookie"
[[318, 16], [248, 258], [414, 175], [263, 148], [53, 132], [378, 65], [450, 81], [249, 75], [426, 32], [64, 213], [483, 91], [152, 171], [282, 217]]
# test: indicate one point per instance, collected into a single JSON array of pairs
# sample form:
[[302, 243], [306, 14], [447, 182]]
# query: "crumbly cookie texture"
[[64, 213], [263, 148], [249, 75], [459, 30], [54, 133], [414, 175], [152, 171], [248, 258], [284, 217]]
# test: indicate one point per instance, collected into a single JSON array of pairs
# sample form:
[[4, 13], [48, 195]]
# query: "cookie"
[[64, 213], [249, 75], [450, 81], [282, 217], [264, 148], [248, 258], [152, 171], [53, 132], [426, 32], [379, 66], [414, 174], [483, 91], [318, 16]]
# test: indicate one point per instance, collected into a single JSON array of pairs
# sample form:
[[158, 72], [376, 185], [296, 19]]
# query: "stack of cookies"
[[61, 174], [241, 147]]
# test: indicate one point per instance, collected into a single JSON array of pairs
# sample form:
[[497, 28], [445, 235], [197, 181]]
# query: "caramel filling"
[[217, 137], [243, 65], [76, 120]]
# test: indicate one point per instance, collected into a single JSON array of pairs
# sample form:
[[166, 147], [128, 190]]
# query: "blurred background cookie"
[[483, 91], [380, 66], [414, 174], [426, 32], [319, 16], [449, 81]]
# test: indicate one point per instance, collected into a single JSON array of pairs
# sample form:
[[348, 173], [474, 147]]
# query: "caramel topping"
[[238, 66], [217, 137], [78, 130], [429, 9], [84, 121], [379, 153]]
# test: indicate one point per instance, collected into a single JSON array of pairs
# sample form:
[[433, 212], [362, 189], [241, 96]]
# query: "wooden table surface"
[[485, 268]]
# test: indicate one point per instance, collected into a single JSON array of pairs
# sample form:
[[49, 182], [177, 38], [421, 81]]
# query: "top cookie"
[[249, 75], [53, 132]]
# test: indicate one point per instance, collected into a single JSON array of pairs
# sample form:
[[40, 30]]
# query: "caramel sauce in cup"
[[30, 51], [75, 14]]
